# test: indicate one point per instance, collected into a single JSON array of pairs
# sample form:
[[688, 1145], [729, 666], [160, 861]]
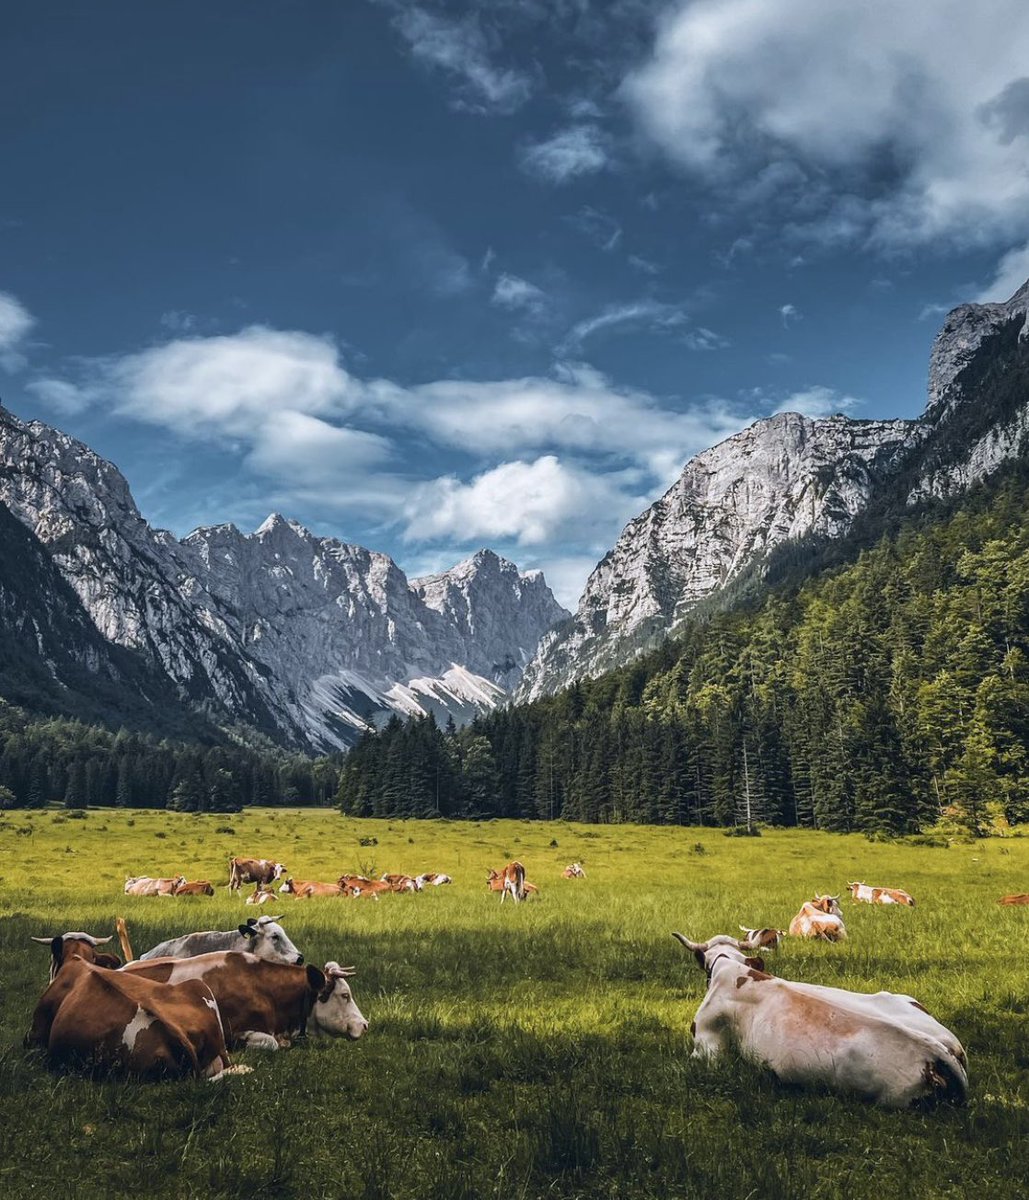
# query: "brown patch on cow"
[[752, 974], [921, 1007], [741, 980], [1019, 898], [756, 963]]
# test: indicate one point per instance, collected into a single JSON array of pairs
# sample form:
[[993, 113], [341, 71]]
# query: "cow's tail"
[[123, 938], [519, 874], [233, 881]]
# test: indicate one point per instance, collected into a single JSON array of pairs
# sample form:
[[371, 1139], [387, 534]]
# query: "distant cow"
[[96, 1018], [862, 893], [402, 883], [763, 939], [66, 946], [819, 919], [508, 882], [574, 871], [884, 1047], [1019, 898], [261, 936], [432, 879], [253, 870], [146, 885], [360, 887], [260, 895], [307, 889], [195, 887], [266, 1005]]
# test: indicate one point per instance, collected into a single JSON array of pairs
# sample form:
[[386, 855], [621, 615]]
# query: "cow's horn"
[[270, 919], [693, 947], [45, 941], [95, 941]]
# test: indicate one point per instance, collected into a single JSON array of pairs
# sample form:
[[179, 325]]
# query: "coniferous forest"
[[878, 696]]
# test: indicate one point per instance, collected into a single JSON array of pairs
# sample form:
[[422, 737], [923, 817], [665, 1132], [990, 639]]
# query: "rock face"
[[306, 638], [790, 477]]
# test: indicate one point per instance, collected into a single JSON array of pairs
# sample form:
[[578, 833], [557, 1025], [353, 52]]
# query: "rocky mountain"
[[791, 477], [306, 638]]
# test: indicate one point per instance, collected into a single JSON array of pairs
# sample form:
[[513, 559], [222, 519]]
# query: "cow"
[[66, 946], [402, 883], [100, 1019], [763, 939], [145, 885], [253, 870], [265, 1005], [884, 1047], [260, 895], [432, 878], [508, 882], [307, 889], [261, 936], [196, 887], [820, 919], [1019, 898], [574, 871], [360, 887], [862, 893]]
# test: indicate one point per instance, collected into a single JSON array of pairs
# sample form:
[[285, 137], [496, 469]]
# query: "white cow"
[[263, 937], [885, 1047]]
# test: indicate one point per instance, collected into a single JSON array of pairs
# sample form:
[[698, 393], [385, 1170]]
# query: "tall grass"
[[530, 1051]]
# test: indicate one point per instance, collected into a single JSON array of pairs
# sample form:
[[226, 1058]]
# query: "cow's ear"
[[251, 920], [757, 963], [248, 930], [315, 978], [699, 956], [57, 950], [111, 961]]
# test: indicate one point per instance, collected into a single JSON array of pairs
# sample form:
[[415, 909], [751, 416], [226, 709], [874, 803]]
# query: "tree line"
[[877, 696]]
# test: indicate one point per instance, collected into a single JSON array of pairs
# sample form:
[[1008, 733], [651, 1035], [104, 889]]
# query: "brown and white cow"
[[1018, 898], [432, 879], [884, 1047], [266, 1005], [96, 1018], [574, 871], [820, 919], [260, 895], [359, 887], [508, 882], [307, 889], [402, 883], [66, 946], [253, 870], [763, 939], [863, 893], [195, 887], [146, 885]]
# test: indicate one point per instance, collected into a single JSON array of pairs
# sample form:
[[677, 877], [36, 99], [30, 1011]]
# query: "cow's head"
[[288, 889], [179, 881], [335, 1011], [720, 946], [278, 870], [828, 904], [853, 887], [267, 939], [66, 946]]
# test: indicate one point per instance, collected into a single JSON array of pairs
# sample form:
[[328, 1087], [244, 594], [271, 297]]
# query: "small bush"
[[553, 842], [742, 831], [76, 814], [226, 829], [160, 834], [698, 848], [368, 841]]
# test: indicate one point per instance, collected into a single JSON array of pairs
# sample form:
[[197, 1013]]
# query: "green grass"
[[531, 1051]]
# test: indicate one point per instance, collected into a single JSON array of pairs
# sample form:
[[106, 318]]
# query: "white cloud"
[[651, 316], [893, 124], [15, 323], [531, 502], [517, 294], [818, 401], [461, 49], [1011, 273], [577, 150], [789, 314], [60, 395]]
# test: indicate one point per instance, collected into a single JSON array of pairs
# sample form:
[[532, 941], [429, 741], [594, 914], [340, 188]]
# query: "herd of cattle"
[[184, 1004]]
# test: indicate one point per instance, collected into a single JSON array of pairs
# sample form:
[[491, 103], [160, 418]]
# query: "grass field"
[[530, 1051]]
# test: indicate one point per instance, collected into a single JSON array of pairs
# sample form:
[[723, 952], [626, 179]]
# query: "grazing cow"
[[266, 1005], [820, 919], [145, 885], [100, 1019], [574, 871], [1019, 898], [66, 946], [253, 870], [307, 889], [763, 939], [360, 887], [884, 1047], [261, 936], [508, 882], [260, 895], [402, 883], [433, 878], [196, 887], [862, 893]]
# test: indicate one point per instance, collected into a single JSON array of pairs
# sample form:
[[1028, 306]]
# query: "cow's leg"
[[253, 1040]]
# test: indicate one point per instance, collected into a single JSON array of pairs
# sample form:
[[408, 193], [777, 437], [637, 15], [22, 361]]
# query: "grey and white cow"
[[261, 936]]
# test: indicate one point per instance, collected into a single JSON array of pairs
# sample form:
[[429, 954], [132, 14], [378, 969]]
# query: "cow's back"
[[190, 945]]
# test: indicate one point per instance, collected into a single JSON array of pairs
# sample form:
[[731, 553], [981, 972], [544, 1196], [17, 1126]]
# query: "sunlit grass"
[[538, 1050]]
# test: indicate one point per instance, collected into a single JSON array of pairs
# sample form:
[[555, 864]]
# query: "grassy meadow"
[[539, 1050]]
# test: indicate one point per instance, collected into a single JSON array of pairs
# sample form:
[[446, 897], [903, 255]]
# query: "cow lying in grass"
[[360, 887], [820, 919], [263, 937], [763, 939], [307, 889], [884, 1047], [146, 885], [863, 893], [1019, 898]]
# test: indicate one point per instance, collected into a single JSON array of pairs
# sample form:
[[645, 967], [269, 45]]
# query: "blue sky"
[[429, 276]]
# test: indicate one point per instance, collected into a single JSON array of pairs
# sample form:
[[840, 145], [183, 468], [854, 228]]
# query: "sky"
[[432, 276]]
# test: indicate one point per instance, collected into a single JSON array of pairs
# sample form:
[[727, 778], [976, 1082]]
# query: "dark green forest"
[[877, 696]]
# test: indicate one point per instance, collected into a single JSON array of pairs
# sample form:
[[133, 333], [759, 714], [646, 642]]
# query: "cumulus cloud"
[[818, 401], [15, 323], [60, 395], [529, 502], [1011, 273], [461, 49], [896, 139], [577, 150]]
